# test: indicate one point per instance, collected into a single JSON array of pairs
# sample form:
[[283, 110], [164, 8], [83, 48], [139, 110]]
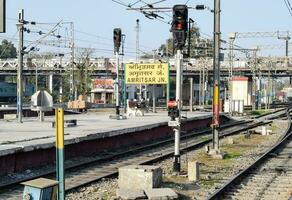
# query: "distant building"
[[102, 91], [241, 89]]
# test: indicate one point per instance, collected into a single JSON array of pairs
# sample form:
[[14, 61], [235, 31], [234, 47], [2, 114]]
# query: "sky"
[[99, 17]]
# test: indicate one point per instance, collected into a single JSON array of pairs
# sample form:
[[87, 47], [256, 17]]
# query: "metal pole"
[[216, 76], [189, 38], [36, 78], [287, 54], [61, 83], [259, 90], [137, 52], [20, 26], [200, 86], [269, 86], [191, 94], [154, 98], [177, 129], [117, 85], [154, 89], [60, 155], [230, 88], [203, 86], [254, 85], [72, 81]]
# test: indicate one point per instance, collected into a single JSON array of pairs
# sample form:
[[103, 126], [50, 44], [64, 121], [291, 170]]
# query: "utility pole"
[[269, 86], [216, 78], [200, 86], [20, 27], [154, 88], [36, 78], [232, 37], [206, 82], [191, 93], [254, 81], [259, 88], [61, 79], [191, 21], [72, 78], [286, 38], [137, 28], [203, 85]]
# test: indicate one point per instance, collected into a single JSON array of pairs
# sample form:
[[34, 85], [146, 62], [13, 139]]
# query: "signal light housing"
[[117, 37], [179, 25]]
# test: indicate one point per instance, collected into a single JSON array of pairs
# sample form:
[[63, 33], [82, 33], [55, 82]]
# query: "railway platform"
[[32, 143]]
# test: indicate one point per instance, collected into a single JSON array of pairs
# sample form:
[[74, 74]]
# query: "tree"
[[7, 50], [82, 73]]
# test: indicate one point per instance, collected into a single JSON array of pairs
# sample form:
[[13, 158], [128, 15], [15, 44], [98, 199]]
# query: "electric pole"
[[216, 78], [232, 37], [254, 81], [154, 88], [137, 28], [286, 38], [191, 93], [73, 91], [20, 27]]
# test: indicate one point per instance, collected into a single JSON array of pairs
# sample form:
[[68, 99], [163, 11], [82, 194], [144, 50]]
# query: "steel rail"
[[219, 194]]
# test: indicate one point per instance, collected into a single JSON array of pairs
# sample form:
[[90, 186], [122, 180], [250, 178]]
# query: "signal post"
[[179, 29], [117, 38]]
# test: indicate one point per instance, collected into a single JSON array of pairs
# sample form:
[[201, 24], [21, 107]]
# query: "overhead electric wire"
[[288, 5]]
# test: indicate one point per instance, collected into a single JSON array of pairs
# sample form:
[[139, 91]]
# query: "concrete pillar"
[[191, 94], [24, 83], [41, 116], [92, 97], [193, 171], [154, 98], [50, 83]]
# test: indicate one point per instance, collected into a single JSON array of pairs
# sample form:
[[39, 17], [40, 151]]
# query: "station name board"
[[153, 73]]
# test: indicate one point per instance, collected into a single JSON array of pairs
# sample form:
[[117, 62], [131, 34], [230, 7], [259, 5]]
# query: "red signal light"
[[171, 104], [179, 26]]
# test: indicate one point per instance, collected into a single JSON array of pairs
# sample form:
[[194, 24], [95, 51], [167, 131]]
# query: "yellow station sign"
[[147, 73]]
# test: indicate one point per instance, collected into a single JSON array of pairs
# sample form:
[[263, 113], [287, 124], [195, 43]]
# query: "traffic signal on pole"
[[117, 39], [179, 25]]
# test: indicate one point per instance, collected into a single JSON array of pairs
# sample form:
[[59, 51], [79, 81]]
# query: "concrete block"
[[193, 171], [264, 130], [216, 154], [140, 177], [130, 194], [161, 194], [9, 116]]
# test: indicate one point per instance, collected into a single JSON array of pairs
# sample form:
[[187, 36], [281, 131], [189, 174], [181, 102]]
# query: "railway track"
[[90, 172], [106, 166], [268, 178]]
